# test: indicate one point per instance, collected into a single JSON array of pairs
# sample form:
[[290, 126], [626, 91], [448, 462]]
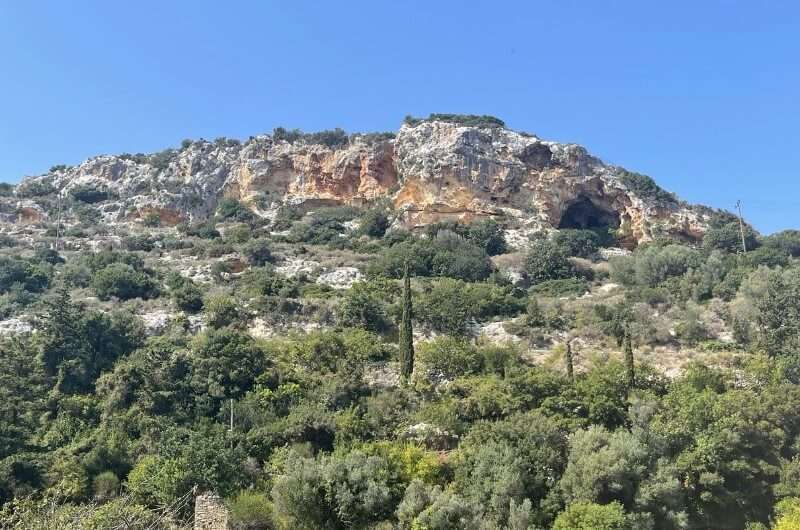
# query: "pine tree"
[[627, 347], [568, 361], [406, 332]]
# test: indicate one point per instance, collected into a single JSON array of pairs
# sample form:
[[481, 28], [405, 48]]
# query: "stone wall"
[[210, 513]]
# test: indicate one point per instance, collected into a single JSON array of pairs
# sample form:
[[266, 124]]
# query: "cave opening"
[[585, 215]]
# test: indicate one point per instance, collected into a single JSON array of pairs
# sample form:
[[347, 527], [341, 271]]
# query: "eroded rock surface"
[[431, 171]]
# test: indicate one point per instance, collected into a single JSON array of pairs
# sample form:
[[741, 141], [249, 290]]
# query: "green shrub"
[[449, 357], [547, 261], [468, 120], [233, 210], [122, 281], [258, 252], [448, 305], [334, 138], [767, 257], [141, 242], [87, 215], [645, 187], [162, 159], [445, 254], [366, 305], [787, 240], [251, 510], [185, 293], [590, 516], [653, 264], [559, 288], [238, 234], [105, 486], [33, 276], [728, 237], [205, 230], [580, 243], [221, 311], [373, 223]]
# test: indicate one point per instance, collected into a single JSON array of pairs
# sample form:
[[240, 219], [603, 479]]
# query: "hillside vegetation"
[[567, 384]]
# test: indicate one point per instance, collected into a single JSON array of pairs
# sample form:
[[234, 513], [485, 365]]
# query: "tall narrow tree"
[[627, 348], [568, 361], [406, 331]]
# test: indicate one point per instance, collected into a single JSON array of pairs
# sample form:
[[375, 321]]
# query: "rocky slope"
[[431, 170]]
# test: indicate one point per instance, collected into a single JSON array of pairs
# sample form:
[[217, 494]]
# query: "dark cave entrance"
[[585, 215]]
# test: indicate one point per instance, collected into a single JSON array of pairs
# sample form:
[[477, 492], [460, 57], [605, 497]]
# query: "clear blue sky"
[[703, 96]]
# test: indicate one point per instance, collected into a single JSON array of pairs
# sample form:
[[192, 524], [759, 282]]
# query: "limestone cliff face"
[[431, 171], [466, 172]]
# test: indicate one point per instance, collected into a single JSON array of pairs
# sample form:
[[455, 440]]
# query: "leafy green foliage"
[[122, 281], [547, 261], [258, 252], [373, 223], [590, 516], [365, 305], [31, 275], [233, 210], [469, 120], [728, 237], [448, 305], [645, 187], [580, 243], [445, 254]]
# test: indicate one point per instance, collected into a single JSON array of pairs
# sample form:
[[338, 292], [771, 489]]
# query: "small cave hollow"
[[584, 214]]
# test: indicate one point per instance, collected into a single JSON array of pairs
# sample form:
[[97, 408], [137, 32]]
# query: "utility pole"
[[741, 225], [568, 361], [58, 219], [231, 429]]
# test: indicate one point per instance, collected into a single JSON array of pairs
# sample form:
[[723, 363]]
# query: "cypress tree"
[[627, 347], [568, 361], [406, 332]]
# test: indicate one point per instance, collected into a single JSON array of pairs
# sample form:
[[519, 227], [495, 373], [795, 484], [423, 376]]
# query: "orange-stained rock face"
[[431, 171]]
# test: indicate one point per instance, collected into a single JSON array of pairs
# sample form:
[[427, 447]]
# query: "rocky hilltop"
[[431, 170]]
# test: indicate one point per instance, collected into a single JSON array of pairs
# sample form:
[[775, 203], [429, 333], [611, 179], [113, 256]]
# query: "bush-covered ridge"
[[108, 415], [468, 120]]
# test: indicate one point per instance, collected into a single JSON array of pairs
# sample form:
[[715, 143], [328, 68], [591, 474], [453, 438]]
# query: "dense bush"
[[651, 265], [547, 261], [186, 295], [373, 223], [445, 254], [728, 237], [580, 243], [787, 241], [205, 230], [563, 287], [334, 138], [233, 210], [123, 281], [31, 275], [486, 234], [645, 187], [366, 305], [469, 120], [258, 252], [449, 305]]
